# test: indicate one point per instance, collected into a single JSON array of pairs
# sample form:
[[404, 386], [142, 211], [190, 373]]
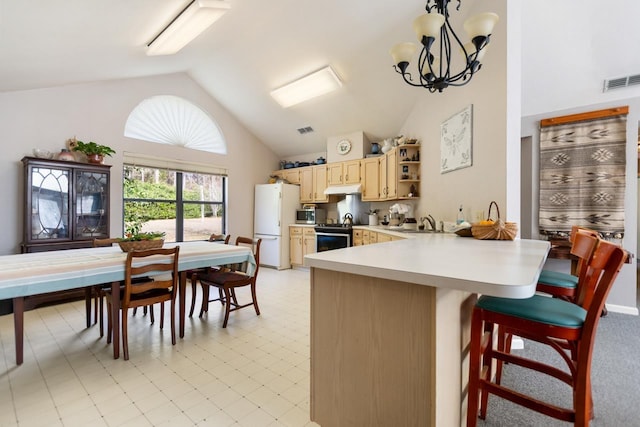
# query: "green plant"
[[151, 235], [91, 148]]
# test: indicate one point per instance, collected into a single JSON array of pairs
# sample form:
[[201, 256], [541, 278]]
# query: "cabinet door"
[[383, 177], [91, 205], [308, 241], [370, 179], [292, 175], [334, 173], [351, 172], [382, 237], [48, 200], [306, 184], [357, 237], [319, 183], [295, 245], [392, 174]]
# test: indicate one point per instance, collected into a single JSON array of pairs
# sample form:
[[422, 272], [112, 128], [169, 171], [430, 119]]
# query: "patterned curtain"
[[582, 176]]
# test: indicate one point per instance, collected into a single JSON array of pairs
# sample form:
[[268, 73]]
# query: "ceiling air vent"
[[621, 82], [304, 130]]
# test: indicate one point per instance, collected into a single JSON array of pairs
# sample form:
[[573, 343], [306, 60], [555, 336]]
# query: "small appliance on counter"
[[311, 214], [410, 224]]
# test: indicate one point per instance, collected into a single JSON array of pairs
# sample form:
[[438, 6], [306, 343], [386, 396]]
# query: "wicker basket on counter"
[[499, 230], [140, 245]]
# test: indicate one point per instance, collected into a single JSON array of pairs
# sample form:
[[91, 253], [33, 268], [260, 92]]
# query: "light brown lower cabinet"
[[302, 241]]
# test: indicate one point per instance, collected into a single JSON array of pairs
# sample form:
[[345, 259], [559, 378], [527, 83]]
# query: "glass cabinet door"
[[91, 204], [49, 203]]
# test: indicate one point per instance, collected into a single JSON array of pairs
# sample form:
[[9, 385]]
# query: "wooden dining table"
[[23, 275]]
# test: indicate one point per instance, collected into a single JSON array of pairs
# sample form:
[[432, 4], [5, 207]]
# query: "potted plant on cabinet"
[[95, 152]]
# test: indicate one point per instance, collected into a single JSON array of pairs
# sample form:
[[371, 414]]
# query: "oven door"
[[329, 241]]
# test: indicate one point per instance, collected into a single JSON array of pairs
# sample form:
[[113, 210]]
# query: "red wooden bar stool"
[[566, 327], [564, 285]]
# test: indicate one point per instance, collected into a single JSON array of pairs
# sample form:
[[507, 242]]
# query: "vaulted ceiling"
[[568, 48]]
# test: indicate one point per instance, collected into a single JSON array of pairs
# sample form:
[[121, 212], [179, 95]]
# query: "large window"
[[185, 205]]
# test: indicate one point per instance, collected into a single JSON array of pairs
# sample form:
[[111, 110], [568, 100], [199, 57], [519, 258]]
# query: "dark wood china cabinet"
[[66, 204], [66, 207]]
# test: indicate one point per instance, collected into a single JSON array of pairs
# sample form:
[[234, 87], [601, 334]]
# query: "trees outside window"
[[185, 205]]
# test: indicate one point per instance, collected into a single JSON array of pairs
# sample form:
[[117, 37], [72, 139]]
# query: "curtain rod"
[[609, 112]]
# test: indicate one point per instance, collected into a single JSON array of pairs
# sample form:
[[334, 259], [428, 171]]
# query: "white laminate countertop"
[[493, 267]]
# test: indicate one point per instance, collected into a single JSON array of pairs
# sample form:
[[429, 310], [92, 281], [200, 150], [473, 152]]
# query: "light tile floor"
[[253, 373]]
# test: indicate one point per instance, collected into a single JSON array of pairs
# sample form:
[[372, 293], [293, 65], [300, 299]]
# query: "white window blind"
[[146, 160]]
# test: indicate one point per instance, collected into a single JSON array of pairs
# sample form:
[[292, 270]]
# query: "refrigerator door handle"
[[266, 237]]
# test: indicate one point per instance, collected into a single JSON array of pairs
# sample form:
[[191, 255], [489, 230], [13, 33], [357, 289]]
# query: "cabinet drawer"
[[308, 231], [295, 231]]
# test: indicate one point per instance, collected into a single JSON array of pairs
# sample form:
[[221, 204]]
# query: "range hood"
[[343, 189]]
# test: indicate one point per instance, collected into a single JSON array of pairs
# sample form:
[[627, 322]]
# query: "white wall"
[[46, 118], [492, 96], [623, 293]]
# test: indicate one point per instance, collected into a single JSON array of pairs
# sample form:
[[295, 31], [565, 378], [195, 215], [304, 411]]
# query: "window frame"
[[179, 200]]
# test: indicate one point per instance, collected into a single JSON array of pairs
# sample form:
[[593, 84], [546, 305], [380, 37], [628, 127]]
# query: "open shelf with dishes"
[[408, 171]]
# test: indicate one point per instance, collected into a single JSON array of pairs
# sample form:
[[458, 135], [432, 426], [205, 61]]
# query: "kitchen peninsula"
[[389, 324]]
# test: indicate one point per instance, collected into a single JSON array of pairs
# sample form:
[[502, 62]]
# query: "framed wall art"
[[455, 141]]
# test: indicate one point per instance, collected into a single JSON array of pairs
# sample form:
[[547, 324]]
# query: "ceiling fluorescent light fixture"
[[315, 84], [196, 17]]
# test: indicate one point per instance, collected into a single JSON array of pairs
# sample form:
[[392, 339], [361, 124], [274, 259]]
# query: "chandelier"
[[434, 66]]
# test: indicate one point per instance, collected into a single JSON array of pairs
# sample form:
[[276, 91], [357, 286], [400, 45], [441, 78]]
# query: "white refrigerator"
[[274, 210]]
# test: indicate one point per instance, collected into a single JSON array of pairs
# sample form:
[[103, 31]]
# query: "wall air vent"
[[621, 82], [304, 130]]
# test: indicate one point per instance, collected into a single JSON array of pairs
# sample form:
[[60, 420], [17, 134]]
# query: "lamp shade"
[[471, 50], [428, 25], [481, 24], [403, 52]]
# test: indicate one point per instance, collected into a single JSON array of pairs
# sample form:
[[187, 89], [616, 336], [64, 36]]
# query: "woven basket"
[[499, 230], [140, 245]]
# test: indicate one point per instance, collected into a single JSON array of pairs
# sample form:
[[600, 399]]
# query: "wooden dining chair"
[[143, 293], [97, 291], [220, 238], [228, 280], [566, 327]]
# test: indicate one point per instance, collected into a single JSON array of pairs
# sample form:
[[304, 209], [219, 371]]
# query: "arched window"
[[168, 119]]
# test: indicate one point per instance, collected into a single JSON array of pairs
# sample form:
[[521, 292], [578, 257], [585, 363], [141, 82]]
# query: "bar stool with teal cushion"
[[564, 285], [568, 328]]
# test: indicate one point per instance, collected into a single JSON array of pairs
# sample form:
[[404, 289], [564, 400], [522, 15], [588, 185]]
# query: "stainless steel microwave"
[[311, 216]]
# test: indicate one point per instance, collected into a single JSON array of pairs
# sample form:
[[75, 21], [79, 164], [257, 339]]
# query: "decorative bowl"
[[42, 154], [140, 245]]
